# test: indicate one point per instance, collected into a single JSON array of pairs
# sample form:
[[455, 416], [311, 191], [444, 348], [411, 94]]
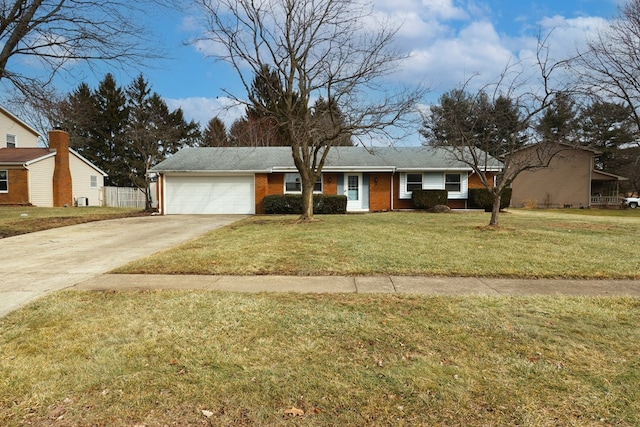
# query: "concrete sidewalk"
[[366, 284]]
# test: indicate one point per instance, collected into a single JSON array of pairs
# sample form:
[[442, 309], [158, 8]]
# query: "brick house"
[[47, 177], [235, 180]]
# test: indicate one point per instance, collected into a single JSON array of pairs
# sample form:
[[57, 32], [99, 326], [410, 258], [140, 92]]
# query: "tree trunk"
[[495, 210], [307, 201]]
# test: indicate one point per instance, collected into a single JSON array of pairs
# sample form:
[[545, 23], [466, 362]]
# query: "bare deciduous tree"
[[316, 48], [610, 68], [39, 38], [497, 122]]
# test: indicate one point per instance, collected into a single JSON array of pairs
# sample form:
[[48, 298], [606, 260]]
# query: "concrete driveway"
[[34, 264]]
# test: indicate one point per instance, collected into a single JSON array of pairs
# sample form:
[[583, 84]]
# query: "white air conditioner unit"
[[82, 201]]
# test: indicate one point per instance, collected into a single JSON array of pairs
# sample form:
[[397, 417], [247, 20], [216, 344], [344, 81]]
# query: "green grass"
[[15, 220], [549, 244], [161, 358]]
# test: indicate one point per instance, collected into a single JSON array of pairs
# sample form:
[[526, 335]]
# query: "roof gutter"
[[372, 169], [201, 171]]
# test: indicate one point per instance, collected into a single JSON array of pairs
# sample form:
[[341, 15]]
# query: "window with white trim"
[[453, 182], [293, 183], [414, 182], [94, 181], [4, 181], [12, 141]]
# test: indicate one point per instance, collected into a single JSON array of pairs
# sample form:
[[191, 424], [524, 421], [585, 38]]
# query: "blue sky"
[[448, 41]]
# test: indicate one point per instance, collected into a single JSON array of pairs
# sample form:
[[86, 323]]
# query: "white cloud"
[[449, 41], [447, 46], [444, 9], [204, 109], [448, 62], [567, 36]]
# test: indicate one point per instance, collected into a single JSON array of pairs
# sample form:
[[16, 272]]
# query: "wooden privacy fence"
[[124, 197]]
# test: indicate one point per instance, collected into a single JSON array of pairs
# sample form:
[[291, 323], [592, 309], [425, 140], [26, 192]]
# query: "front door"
[[353, 191]]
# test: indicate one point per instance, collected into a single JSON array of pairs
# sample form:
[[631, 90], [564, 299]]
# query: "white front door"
[[353, 191]]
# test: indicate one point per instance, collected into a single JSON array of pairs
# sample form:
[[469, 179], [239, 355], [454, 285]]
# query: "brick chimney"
[[62, 189]]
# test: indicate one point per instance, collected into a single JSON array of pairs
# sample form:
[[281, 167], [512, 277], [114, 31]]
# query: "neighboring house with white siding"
[[54, 176], [14, 133]]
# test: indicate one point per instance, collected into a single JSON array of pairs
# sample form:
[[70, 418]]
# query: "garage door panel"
[[210, 195]]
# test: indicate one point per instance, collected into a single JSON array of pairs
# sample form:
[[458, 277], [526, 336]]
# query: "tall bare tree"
[[56, 33], [610, 68], [315, 48], [496, 122]]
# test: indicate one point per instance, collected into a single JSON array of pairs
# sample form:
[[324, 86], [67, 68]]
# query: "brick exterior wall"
[[380, 192], [62, 188], [261, 190], [18, 188], [275, 183], [474, 180], [330, 184]]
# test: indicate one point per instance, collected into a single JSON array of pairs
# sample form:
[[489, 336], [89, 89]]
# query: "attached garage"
[[209, 194]]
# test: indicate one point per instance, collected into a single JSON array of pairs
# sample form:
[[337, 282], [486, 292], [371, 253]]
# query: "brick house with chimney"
[[56, 176]]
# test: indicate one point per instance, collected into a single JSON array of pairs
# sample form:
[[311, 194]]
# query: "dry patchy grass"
[[527, 244], [15, 220], [162, 358]]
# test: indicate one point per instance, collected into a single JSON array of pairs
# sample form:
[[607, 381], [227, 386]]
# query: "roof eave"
[[85, 160], [340, 169], [39, 159], [185, 171], [20, 122]]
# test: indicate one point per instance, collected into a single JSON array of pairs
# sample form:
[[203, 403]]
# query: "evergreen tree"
[[263, 127], [77, 115], [330, 121], [559, 123], [607, 127], [474, 120], [152, 133], [215, 134], [124, 132], [108, 144]]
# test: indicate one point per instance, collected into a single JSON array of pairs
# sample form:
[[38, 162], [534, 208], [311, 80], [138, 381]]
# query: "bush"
[[284, 204], [482, 198], [427, 199]]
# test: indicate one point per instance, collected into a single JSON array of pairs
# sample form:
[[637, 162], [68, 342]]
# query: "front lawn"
[[222, 359], [561, 244], [16, 220]]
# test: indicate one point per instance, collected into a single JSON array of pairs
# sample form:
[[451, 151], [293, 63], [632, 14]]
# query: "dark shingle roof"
[[269, 159], [22, 155]]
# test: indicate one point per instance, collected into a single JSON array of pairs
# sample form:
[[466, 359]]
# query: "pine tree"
[[108, 139], [152, 133], [215, 134], [559, 123], [607, 127]]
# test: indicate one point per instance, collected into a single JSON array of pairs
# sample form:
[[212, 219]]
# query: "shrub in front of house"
[[481, 198], [427, 199], [285, 204]]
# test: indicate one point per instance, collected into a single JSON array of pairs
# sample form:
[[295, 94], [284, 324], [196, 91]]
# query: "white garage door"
[[209, 195]]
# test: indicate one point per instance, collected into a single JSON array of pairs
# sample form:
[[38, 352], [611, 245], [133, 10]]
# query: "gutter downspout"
[[160, 193], [392, 186]]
